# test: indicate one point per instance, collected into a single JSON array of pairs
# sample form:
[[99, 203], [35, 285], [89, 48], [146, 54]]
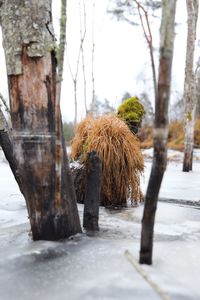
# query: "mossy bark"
[[160, 131], [29, 45]]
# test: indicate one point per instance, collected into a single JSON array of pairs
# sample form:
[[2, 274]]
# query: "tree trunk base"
[[145, 258], [51, 228], [79, 178]]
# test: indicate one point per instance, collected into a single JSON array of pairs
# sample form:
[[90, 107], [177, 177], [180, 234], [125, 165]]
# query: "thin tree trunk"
[[93, 52], [58, 118], [31, 67], [83, 34], [92, 192], [160, 130], [7, 147], [75, 75], [148, 36], [189, 84]]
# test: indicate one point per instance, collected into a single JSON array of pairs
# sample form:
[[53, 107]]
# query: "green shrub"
[[131, 112]]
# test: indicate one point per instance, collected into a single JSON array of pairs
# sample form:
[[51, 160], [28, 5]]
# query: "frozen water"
[[177, 185], [95, 267]]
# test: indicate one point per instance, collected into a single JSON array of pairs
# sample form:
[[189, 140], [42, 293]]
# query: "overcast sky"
[[121, 56]]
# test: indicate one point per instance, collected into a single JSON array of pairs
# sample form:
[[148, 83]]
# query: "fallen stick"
[[141, 271]]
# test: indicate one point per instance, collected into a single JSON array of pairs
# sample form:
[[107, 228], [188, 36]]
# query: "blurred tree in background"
[[68, 130]]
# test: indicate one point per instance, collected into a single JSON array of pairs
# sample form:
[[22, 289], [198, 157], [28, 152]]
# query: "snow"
[[95, 266]]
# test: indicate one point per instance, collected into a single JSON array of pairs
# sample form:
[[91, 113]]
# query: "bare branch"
[[75, 74], [82, 53], [149, 39], [4, 103]]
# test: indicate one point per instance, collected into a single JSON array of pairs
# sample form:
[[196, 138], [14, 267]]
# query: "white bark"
[[189, 84]]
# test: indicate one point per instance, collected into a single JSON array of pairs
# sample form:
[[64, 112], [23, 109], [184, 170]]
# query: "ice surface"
[[95, 267]]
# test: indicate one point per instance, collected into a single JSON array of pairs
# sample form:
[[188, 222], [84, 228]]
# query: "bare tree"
[[29, 46], [160, 129], [189, 84], [83, 33], [93, 52], [74, 75], [127, 11], [148, 36], [197, 87], [58, 119]]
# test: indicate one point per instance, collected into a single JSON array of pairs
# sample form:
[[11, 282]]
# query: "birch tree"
[[160, 129], [80, 55], [29, 45], [189, 84]]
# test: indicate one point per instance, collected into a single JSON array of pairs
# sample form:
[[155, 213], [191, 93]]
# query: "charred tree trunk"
[[29, 46], [160, 130], [189, 85], [7, 147], [92, 193]]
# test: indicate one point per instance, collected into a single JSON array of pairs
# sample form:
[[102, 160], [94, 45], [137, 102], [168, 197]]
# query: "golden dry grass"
[[119, 151]]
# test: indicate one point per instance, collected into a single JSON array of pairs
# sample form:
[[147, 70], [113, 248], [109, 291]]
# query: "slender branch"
[[75, 75], [163, 295], [82, 52], [4, 103], [149, 40]]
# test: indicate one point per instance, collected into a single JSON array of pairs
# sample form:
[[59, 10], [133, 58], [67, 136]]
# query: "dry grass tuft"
[[120, 153]]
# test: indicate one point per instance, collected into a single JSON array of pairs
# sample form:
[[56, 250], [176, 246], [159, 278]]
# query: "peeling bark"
[[26, 23], [160, 131], [31, 67]]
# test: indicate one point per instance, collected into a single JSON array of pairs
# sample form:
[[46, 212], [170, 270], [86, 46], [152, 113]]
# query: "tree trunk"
[[29, 46], [160, 130], [7, 147], [92, 193], [189, 85]]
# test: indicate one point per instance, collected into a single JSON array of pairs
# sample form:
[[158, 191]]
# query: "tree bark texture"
[[7, 147], [160, 129], [189, 85], [92, 194], [31, 67], [58, 119]]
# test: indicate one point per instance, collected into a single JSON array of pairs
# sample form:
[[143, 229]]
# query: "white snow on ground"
[[172, 155], [95, 267]]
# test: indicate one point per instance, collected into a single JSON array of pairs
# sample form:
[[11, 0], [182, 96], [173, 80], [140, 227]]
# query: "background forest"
[[109, 68]]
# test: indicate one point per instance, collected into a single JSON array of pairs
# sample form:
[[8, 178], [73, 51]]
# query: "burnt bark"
[[160, 130], [92, 193], [7, 147], [38, 149], [189, 95]]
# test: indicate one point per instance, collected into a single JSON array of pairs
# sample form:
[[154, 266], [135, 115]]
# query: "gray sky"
[[122, 61]]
